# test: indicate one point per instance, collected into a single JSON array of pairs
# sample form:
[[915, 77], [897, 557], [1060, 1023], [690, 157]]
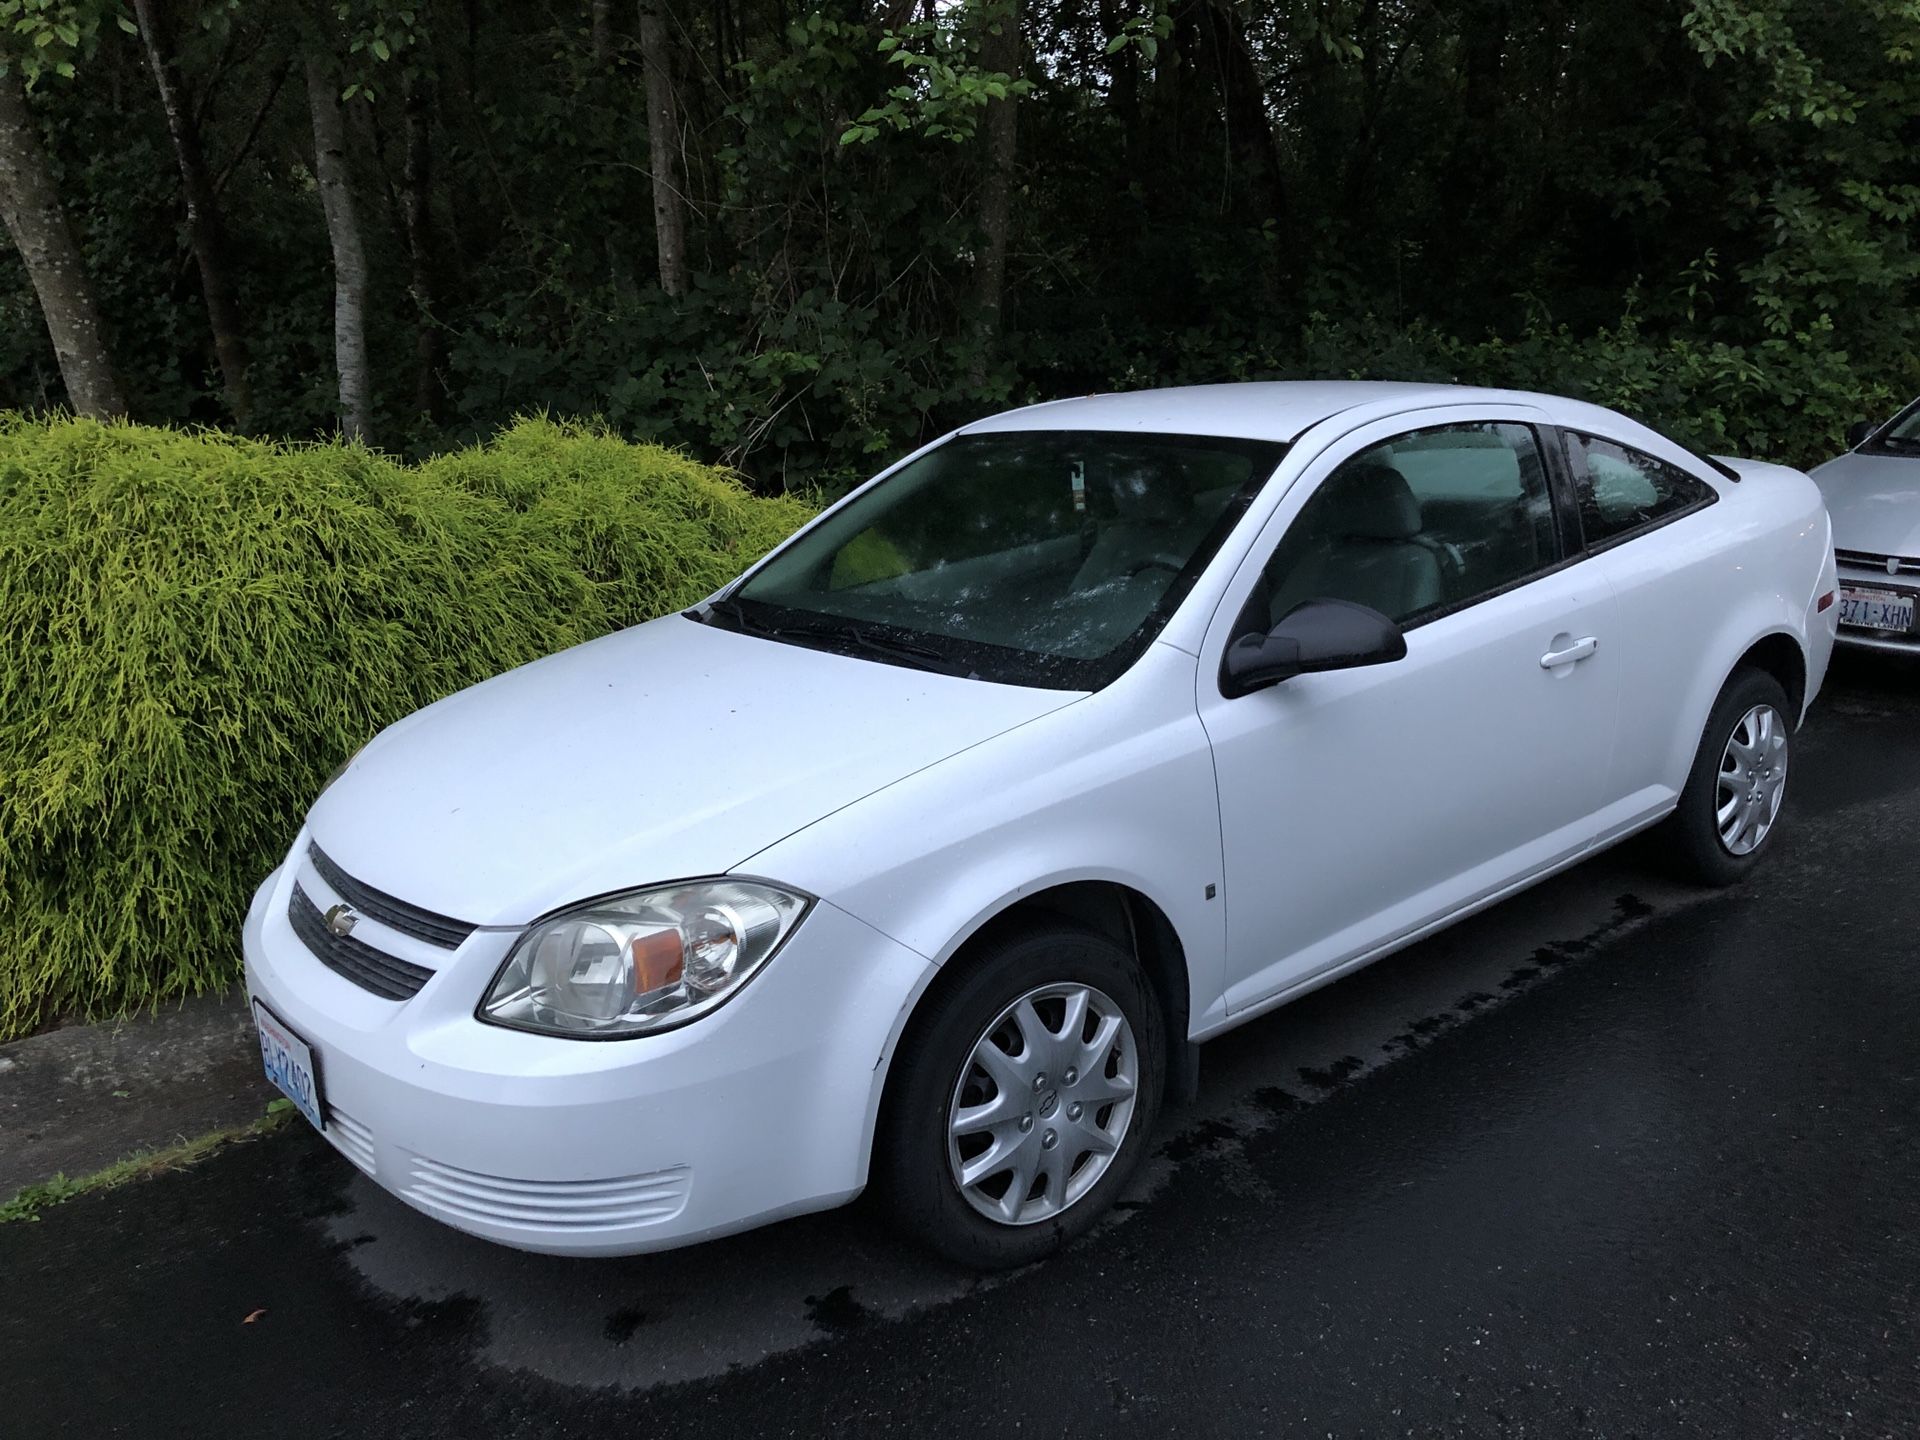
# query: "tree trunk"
[[1243, 100], [31, 208], [1000, 51], [663, 141], [1125, 69], [429, 344], [349, 256], [206, 231], [601, 13]]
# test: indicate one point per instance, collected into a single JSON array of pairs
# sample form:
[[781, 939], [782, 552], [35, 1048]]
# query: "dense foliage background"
[[793, 238], [824, 231]]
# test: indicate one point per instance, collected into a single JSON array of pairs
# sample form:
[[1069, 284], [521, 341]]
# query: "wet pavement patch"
[[1332, 1076], [837, 1312], [1421, 1030], [1207, 1135], [1275, 1101], [623, 1322]]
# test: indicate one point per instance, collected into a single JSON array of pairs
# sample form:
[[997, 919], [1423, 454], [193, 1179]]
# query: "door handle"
[[1577, 651]]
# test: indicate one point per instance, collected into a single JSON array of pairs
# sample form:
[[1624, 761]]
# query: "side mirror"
[[1314, 635], [1858, 432]]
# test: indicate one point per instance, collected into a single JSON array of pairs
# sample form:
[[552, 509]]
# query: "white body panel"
[[1285, 836], [669, 750], [579, 1148], [1310, 771], [1119, 787], [1738, 571], [1874, 501]]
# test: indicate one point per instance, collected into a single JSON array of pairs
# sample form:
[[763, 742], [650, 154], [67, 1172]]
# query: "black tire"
[[1689, 838], [910, 1163]]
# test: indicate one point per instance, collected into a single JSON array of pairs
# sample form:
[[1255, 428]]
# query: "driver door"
[[1359, 806]]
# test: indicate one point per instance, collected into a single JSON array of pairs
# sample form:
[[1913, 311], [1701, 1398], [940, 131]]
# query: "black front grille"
[[370, 969], [1866, 560], [441, 930]]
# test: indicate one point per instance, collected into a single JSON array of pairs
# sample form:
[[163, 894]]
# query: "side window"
[[1423, 523], [1622, 491]]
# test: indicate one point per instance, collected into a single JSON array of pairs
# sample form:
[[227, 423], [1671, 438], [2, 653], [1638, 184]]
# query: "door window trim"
[[1566, 554], [1646, 527]]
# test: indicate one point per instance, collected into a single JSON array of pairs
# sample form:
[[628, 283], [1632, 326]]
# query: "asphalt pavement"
[[1617, 1158]]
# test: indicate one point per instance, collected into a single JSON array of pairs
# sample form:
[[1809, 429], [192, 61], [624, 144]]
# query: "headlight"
[[642, 962]]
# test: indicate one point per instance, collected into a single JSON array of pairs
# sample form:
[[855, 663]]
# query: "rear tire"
[[1730, 810], [996, 1071]]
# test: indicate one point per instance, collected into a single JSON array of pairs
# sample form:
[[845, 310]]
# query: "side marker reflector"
[[1826, 602]]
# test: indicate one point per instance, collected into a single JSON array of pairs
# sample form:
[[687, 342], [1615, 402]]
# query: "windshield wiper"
[[733, 612], [906, 652], [831, 631]]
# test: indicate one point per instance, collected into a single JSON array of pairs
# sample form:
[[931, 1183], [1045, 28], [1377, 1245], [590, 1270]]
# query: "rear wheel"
[[1024, 1099], [1730, 809]]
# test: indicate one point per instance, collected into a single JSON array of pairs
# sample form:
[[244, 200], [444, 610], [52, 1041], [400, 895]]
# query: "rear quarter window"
[[1623, 492]]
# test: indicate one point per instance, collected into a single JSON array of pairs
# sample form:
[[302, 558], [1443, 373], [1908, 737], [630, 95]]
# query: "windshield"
[[1047, 557], [1901, 434]]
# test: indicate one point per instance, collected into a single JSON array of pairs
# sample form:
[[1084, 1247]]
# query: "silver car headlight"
[[642, 962]]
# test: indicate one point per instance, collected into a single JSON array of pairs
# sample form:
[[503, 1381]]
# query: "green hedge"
[[198, 628]]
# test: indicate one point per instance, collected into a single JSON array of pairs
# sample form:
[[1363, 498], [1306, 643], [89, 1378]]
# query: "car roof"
[[1251, 410]]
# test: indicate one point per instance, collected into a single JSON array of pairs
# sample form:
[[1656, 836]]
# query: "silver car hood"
[[1874, 501]]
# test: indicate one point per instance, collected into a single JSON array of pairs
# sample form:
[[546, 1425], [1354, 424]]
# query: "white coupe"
[[924, 856]]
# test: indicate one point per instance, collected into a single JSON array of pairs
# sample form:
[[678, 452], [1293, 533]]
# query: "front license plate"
[[289, 1062], [1876, 610]]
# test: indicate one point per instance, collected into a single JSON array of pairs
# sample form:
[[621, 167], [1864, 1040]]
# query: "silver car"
[[1873, 494]]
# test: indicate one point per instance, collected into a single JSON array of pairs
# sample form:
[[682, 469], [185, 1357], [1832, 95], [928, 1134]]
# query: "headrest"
[[1372, 501]]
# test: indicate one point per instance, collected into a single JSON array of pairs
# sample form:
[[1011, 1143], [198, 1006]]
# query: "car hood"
[[1874, 501], [670, 750]]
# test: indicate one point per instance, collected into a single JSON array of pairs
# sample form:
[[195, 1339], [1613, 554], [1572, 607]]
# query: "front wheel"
[[1730, 809], [1025, 1097]]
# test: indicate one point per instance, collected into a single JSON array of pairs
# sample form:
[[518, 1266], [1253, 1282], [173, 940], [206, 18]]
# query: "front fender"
[[1118, 787]]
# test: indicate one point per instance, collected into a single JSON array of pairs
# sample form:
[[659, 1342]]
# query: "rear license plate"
[[289, 1062], [1876, 610]]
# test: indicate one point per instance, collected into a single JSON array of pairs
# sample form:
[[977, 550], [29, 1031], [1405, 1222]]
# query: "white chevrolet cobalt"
[[924, 855]]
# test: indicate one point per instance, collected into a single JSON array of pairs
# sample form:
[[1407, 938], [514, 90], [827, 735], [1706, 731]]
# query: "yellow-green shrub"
[[194, 629]]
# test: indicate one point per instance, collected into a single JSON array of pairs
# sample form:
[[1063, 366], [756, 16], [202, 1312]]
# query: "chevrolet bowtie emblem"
[[341, 920]]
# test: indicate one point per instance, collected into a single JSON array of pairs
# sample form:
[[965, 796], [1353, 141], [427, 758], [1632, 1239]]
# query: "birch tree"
[[35, 218], [332, 174]]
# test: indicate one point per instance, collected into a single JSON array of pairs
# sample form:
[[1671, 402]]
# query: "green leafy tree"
[[798, 238]]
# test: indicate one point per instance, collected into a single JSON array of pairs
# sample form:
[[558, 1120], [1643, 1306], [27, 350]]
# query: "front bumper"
[[1856, 577], [762, 1109]]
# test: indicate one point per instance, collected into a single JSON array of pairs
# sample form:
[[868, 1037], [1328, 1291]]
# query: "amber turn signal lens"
[[657, 961]]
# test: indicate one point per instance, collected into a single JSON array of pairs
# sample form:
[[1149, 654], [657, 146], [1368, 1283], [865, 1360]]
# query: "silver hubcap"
[[1753, 780], [1042, 1104]]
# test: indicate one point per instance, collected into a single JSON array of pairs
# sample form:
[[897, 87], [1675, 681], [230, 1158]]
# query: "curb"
[[79, 1098]]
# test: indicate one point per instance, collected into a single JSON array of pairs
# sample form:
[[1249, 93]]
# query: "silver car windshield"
[[1042, 557], [1901, 435]]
